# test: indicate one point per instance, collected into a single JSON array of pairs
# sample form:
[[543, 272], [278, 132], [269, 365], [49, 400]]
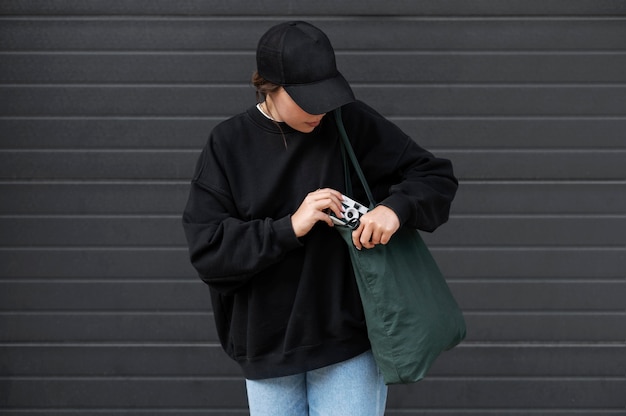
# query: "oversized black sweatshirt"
[[284, 305]]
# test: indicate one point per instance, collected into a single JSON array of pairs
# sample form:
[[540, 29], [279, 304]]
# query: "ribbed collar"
[[267, 124]]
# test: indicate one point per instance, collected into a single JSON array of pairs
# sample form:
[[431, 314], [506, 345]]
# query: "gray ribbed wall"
[[104, 106]]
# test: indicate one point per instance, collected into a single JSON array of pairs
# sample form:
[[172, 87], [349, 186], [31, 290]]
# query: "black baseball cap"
[[299, 57]]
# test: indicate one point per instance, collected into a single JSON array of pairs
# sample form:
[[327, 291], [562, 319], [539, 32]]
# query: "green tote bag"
[[411, 315]]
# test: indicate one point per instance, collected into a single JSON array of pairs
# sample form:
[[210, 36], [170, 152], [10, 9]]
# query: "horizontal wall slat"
[[90, 231], [179, 165], [531, 361], [479, 67], [498, 412], [184, 34], [607, 327], [230, 394], [98, 165], [211, 411], [94, 198], [191, 295], [98, 263], [500, 394], [465, 360], [159, 198], [540, 263], [526, 231], [108, 133], [591, 295], [182, 360], [433, 133], [357, 67], [496, 100], [540, 165], [545, 327], [541, 198], [127, 68], [489, 263], [72, 327], [56, 101], [242, 412], [320, 7], [110, 231], [122, 393]]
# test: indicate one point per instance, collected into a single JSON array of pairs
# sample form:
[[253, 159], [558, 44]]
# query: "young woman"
[[285, 300]]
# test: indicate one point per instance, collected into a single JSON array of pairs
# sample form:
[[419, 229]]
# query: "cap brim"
[[323, 96]]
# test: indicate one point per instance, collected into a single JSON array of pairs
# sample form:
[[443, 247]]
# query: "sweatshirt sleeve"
[[418, 186], [225, 250]]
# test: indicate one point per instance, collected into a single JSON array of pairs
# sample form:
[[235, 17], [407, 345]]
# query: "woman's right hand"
[[314, 208]]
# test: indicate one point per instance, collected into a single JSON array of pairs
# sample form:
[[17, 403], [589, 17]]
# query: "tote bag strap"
[[347, 148]]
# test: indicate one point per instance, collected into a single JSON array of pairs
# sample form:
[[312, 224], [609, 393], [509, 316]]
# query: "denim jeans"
[[353, 387]]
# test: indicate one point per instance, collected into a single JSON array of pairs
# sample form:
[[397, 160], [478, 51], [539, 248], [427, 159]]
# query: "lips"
[[313, 124]]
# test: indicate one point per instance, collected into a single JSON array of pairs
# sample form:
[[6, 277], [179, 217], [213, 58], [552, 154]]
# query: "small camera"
[[351, 215]]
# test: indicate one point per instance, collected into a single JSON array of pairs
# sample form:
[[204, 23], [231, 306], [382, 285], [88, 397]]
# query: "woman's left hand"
[[377, 226]]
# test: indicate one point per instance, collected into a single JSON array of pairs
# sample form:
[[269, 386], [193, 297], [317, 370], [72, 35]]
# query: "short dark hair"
[[262, 86]]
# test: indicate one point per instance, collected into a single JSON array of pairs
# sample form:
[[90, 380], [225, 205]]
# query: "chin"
[[306, 129]]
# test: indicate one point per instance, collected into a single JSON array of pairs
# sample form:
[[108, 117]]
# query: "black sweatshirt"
[[284, 305]]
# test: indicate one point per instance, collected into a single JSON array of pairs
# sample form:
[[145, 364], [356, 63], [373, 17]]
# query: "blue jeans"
[[353, 387]]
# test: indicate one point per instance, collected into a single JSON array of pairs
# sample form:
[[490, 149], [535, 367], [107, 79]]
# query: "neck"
[[267, 107], [264, 111]]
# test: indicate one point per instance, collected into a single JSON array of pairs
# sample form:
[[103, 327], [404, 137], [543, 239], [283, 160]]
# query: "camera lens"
[[351, 213]]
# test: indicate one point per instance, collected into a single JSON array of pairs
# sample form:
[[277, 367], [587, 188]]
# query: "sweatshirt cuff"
[[285, 236], [398, 204]]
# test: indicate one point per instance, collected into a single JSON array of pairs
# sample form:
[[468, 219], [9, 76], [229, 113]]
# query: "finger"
[[336, 200], [318, 201], [337, 210], [356, 237], [376, 235], [329, 200], [329, 192], [325, 217], [384, 239], [366, 237]]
